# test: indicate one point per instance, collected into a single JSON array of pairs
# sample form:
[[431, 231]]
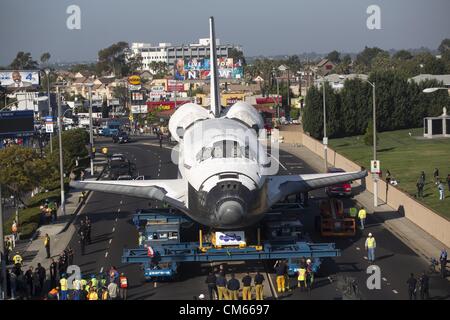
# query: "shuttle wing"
[[170, 191], [282, 186]]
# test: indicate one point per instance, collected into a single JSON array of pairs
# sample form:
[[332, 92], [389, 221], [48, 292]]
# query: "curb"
[[80, 205]]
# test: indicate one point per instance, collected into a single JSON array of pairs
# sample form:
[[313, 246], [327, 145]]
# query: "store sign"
[[132, 87], [139, 109], [134, 80]]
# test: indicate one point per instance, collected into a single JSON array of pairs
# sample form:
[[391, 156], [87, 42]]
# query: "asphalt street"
[[113, 230]]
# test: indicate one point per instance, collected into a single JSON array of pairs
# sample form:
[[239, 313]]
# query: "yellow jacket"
[[362, 214]]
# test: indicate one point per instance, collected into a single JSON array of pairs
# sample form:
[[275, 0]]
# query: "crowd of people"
[[31, 283], [222, 287], [438, 181], [95, 287]]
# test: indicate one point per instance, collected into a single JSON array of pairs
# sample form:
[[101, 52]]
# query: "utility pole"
[[325, 138], [50, 111], [375, 187], [2, 250], [91, 135], [61, 169]]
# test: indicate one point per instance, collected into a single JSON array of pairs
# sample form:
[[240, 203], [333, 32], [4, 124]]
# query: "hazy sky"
[[266, 27]]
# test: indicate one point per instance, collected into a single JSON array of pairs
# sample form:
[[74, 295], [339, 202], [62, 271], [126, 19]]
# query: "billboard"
[[13, 122], [173, 85], [199, 69], [19, 78]]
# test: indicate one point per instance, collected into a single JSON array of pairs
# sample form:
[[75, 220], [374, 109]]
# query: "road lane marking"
[[114, 229], [365, 258], [384, 279], [121, 201], [106, 254], [116, 219], [358, 248], [274, 290], [278, 162], [395, 291], [110, 240], [101, 270], [118, 210]]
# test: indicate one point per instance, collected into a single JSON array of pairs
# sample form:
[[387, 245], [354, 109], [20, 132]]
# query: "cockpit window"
[[225, 149]]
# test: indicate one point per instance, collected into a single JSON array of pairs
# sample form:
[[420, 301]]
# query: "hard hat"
[[308, 261], [201, 297], [370, 234]]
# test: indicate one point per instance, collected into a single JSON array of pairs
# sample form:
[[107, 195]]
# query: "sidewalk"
[[33, 251], [408, 232]]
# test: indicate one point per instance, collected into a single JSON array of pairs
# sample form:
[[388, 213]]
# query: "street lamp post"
[[2, 250], [278, 94], [91, 134], [374, 177], [374, 120], [50, 111], [325, 138], [61, 169]]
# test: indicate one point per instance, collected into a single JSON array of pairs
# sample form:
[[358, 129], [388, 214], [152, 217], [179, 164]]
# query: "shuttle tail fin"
[[214, 83]]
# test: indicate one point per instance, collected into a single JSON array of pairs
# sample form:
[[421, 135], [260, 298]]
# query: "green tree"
[[160, 69], [23, 61], [334, 56], [355, 107], [364, 59], [74, 144], [120, 92], [113, 60], [21, 170], [444, 46], [45, 57], [237, 55], [313, 114], [403, 55]]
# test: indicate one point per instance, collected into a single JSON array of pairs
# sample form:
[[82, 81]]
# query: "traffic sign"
[[375, 166], [49, 127]]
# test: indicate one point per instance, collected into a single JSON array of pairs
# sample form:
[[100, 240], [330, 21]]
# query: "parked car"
[[342, 189]]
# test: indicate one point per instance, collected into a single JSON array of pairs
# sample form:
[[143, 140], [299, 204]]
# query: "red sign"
[[268, 100], [163, 105]]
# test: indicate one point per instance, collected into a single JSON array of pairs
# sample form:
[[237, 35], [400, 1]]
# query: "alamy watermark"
[[73, 21], [374, 280], [373, 22]]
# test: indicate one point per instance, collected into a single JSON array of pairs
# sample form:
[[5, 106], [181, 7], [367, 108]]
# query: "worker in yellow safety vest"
[[280, 270], [17, 259], [94, 282], [362, 217], [370, 246], [64, 287], [302, 277], [92, 295]]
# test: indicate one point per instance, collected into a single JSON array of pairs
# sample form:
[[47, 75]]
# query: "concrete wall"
[[424, 217]]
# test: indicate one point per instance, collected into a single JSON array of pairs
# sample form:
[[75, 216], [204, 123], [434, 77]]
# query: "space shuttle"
[[226, 178]]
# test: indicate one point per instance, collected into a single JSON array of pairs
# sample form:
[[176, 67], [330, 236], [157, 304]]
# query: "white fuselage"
[[222, 162]]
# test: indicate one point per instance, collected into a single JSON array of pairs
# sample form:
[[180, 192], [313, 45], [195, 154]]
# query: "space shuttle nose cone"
[[230, 212]]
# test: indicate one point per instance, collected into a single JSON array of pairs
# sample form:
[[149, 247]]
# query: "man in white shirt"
[[112, 289]]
